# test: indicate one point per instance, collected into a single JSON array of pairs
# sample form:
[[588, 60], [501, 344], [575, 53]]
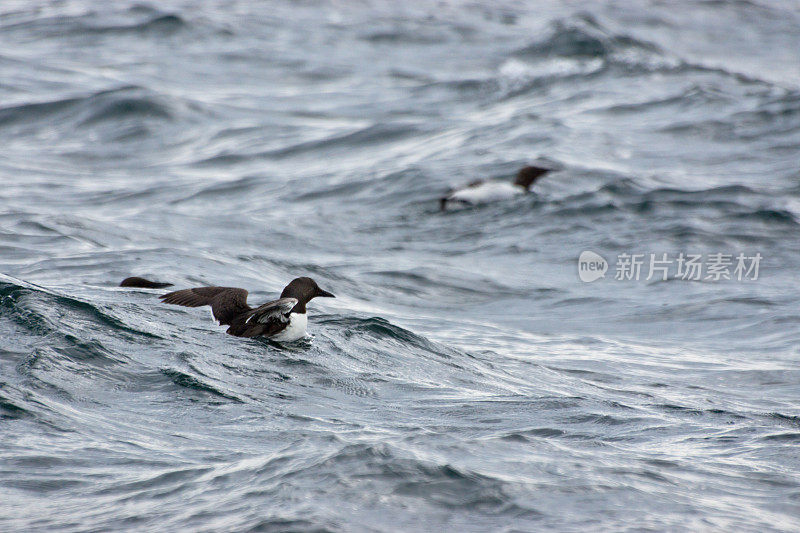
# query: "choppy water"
[[464, 378]]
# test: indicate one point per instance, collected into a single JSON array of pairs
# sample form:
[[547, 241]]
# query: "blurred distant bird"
[[143, 283], [484, 191], [282, 320]]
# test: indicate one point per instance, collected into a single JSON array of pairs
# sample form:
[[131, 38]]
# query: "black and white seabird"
[[136, 281], [484, 191], [283, 320]]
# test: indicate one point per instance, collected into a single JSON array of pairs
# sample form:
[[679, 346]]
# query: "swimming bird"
[[136, 281], [484, 191], [283, 320]]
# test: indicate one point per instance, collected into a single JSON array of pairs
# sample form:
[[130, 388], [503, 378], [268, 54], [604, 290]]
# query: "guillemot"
[[136, 281], [484, 191], [283, 320]]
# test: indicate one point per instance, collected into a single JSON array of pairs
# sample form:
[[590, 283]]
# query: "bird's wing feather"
[[226, 302], [267, 319], [276, 310]]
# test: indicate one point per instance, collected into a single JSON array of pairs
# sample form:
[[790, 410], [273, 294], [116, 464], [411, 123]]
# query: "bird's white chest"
[[295, 330], [488, 191]]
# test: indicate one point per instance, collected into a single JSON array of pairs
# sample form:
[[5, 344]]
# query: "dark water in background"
[[464, 378]]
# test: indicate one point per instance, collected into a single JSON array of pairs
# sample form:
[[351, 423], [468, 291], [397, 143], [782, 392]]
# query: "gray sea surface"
[[465, 378]]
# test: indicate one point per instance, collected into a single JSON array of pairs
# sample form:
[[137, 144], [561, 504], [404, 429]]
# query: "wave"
[[694, 95], [9, 409], [580, 47], [183, 379], [119, 104], [374, 134], [237, 187], [147, 22], [583, 36], [440, 483], [33, 308], [382, 330], [773, 117], [730, 202]]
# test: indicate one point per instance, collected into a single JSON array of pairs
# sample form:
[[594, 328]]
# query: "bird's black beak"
[[325, 294]]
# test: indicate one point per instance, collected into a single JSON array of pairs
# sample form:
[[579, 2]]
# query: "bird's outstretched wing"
[[226, 303]]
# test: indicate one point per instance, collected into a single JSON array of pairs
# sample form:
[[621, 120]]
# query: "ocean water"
[[465, 378]]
